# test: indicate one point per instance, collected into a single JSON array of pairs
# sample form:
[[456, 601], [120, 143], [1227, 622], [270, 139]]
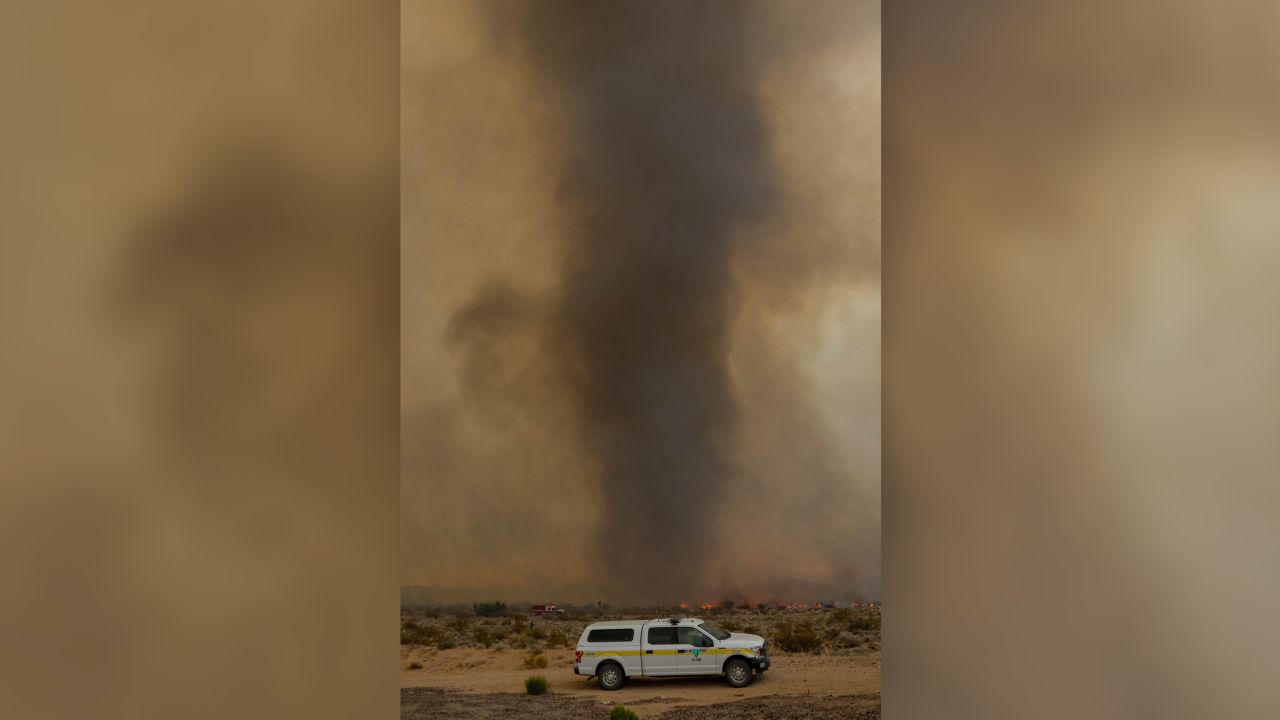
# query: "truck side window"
[[694, 637], [610, 635], [662, 636]]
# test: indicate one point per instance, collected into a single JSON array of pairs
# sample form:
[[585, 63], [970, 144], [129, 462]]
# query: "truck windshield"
[[714, 631]]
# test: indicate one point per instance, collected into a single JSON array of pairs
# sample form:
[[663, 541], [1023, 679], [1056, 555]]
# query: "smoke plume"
[[651, 256], [669, 159]]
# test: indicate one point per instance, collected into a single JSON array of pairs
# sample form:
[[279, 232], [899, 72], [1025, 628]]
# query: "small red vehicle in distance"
[[548, 609]]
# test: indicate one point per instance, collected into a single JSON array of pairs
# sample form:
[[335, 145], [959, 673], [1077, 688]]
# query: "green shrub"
[[557, 638], [415, 665], [536, 685], [459, 624], [491, 609], [482, 636], [621, 713], [535, 659]]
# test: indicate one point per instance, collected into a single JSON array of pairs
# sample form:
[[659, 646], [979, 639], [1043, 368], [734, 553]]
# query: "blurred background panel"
[[199, 374], [1080, 391]]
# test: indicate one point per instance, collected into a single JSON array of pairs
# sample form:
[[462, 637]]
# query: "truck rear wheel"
[[738, 672], [611, 676]]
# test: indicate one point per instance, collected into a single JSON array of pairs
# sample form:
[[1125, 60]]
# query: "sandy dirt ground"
[[474, 683], [422, 703]]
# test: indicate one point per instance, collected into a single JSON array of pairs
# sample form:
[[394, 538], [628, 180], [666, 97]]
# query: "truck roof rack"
[[675, 620]]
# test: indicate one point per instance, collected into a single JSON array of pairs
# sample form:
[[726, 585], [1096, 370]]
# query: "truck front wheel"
[[738, 672], [610, 674]]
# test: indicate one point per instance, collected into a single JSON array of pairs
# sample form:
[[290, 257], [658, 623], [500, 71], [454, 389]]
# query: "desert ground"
[[454, 666]]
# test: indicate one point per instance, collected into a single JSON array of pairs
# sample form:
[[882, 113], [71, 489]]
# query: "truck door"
[[695, 652], [659, 650]]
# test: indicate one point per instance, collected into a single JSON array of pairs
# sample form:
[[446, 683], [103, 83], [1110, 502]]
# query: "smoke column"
[[668, 160]]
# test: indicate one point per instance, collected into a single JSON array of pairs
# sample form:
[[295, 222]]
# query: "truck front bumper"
[[760, 663]]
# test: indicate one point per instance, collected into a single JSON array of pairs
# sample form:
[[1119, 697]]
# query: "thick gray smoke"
[[669, 161]]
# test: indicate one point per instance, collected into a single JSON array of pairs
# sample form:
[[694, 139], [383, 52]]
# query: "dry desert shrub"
[[413, 634], [536, 684], [798, 637], [621, 713]]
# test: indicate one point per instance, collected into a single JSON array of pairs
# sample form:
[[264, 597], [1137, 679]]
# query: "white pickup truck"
[[621, 649]]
